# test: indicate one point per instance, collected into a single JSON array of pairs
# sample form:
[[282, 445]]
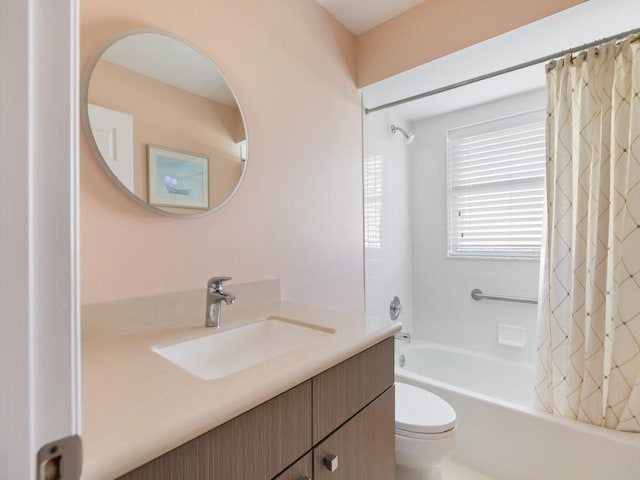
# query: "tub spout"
[[404, 336]]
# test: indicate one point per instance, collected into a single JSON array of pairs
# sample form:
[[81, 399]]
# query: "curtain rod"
[[486, 76]]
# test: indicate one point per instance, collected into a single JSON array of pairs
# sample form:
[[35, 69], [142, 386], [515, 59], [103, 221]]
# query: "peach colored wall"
[[438, 27], [170, 117], [298, 214]]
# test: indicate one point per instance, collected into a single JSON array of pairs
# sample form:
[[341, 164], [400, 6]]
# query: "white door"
[[39, 341], [113, 133]]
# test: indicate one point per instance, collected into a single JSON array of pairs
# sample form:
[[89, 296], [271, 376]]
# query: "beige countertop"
[[137, 405]]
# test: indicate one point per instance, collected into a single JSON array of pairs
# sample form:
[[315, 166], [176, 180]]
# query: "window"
[[496, 180], [373, 201]]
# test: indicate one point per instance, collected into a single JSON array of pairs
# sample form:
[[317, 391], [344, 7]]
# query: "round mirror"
[[165, 124]]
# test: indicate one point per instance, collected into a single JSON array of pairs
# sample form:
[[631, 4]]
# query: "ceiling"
[[167, 60], [361, 15], [173, 62], [570, 28]]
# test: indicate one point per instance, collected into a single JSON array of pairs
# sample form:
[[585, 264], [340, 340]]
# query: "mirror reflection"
[[165, 124]]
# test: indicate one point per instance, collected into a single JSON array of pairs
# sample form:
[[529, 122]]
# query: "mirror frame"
[[84, 114]]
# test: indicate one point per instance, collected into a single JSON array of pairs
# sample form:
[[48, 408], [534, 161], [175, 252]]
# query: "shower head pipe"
[[408, 136]]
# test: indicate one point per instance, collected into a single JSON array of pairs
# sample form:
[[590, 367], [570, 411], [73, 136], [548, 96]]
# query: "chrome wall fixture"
[[477, 294], [408, 136], [395, 308]]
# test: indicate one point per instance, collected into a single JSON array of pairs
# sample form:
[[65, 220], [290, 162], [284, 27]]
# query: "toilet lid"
[[420, 411]]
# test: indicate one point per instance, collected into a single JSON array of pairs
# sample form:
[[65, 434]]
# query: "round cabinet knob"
[[331, 462]]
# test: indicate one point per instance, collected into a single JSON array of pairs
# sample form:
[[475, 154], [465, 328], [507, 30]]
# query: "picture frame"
[[177, 178]]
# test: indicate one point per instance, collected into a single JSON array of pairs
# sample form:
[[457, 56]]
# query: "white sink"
[[226, 352]]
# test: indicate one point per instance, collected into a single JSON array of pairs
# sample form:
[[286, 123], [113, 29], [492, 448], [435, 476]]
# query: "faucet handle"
[[215, 283]]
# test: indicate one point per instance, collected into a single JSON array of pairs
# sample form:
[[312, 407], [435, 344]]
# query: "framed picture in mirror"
[[177, 179], [140, 73]]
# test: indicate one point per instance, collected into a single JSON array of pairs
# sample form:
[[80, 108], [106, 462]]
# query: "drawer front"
[[256, 445], [363, 448], [301, 470], [340, 392]]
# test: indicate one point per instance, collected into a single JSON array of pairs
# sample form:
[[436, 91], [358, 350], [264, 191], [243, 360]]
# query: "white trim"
[[39, 347], [15, 419]]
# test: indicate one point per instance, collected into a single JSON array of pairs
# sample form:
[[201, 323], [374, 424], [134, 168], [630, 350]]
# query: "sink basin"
[[223, 353]]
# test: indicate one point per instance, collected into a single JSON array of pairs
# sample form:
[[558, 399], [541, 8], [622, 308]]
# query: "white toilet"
[[425, 433]]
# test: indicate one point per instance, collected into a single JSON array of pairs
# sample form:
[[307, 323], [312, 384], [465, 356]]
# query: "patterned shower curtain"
[[589, 309]]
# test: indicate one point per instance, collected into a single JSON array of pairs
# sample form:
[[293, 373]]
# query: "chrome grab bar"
[[477, 294]]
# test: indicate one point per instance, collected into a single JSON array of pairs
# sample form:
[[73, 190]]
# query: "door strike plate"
[[61, 460]]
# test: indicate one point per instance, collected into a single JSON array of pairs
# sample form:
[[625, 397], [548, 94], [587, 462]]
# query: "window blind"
[[496, 182], [373, 201]]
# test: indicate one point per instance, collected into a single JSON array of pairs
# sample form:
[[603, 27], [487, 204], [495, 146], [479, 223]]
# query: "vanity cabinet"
[[354, 417], [301, 470], [257, 444], [345, 414], [364, 447], [343, 390]]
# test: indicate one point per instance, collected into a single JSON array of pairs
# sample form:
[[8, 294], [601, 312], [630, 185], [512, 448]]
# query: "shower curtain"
[[589, 308]]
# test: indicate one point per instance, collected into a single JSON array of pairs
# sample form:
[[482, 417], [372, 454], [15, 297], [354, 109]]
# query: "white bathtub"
[[501, 434]]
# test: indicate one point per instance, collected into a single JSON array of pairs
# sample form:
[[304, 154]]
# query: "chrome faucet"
[[215, 296], [404, 336]]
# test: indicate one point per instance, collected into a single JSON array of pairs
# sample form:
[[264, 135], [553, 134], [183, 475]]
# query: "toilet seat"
[[420, 413]]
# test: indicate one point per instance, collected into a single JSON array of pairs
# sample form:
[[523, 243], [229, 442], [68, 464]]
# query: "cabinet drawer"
[[257, 445], [301, 470], [364, 448], [340, 392]]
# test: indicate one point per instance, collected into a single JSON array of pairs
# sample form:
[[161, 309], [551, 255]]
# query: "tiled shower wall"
[[443, 309], [388, 262]]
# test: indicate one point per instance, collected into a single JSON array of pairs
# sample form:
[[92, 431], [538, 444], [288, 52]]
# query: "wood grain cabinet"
[[258, 444], [301, 470], [363, 448], [339, 425]]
